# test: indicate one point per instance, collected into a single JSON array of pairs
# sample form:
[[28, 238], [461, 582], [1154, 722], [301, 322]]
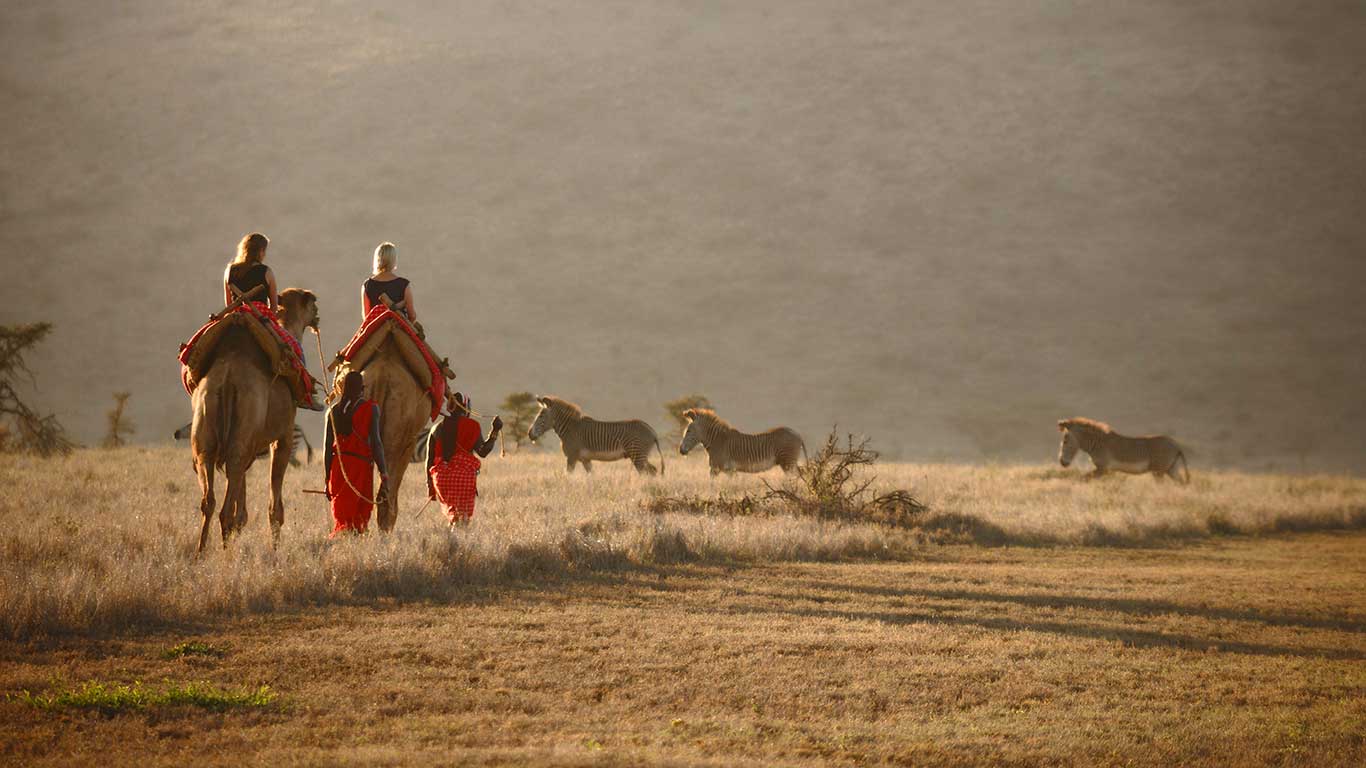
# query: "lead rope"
[[318, 337], [341, 464]]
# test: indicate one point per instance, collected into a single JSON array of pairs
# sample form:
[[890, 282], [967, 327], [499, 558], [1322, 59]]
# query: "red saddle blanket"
[[281, 348], [383, 323]]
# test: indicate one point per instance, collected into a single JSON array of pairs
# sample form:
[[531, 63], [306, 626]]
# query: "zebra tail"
[[661, 456]]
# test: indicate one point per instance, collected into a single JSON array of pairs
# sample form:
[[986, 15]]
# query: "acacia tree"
[[120, 426], [23, 428], [518, 410], [676, 409]]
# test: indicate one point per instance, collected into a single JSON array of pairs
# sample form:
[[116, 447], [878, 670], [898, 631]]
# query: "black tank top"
[[245, 277], [394, 289]]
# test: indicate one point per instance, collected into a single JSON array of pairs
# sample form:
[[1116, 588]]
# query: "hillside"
[[943, 224]]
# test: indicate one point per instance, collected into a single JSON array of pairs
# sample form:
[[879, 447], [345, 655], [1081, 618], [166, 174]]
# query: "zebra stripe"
[[585, 439], [730, 450]]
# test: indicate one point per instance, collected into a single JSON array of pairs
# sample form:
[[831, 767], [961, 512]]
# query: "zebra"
[[585, 439], [299, 438], [730, 450]]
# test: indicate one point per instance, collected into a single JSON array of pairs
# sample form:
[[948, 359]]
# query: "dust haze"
[[945, 225]]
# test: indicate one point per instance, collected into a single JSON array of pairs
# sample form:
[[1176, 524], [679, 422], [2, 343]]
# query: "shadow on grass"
[[1136, 606], [1135, 638]]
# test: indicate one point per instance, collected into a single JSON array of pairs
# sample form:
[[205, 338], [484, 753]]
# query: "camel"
[[241, 407], [404, 410]]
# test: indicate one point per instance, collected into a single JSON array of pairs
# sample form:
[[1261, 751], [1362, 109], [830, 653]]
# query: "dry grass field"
[[1031, 618]]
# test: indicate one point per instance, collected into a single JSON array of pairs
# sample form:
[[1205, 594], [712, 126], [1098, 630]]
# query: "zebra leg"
[[569, 462], [587, 467]]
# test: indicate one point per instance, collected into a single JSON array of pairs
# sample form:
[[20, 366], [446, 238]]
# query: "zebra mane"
[[563, 406], [1086, 425], [709, 416]]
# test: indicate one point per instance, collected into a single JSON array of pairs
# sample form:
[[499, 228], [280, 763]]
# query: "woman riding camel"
[[384, 283], [353, 451], [453, 452], [248, 272]]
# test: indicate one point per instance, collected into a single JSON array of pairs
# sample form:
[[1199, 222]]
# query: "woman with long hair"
[[454, 448], [249, 271], [352, 453], [384, 282]]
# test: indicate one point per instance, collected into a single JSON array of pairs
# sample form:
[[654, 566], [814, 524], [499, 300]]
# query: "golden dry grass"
[[1226, 652], [105, 540]]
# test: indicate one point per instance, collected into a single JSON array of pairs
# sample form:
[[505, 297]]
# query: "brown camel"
[[241, 407], [404, 410]]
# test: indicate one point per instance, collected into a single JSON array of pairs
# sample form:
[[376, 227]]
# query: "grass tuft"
[[193, 648], [112, 698]]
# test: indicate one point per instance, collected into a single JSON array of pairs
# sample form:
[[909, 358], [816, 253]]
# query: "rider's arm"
[[227, 286], [364, 304], [408, 303], [274, 300], [377, 445], [327, 450]]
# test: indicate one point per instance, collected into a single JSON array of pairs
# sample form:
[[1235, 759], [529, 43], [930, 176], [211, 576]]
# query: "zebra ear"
[[542, 401], [690, 414], [1062, 426]]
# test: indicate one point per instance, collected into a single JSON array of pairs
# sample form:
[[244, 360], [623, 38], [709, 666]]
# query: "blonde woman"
[[384, 282], [249, 271]]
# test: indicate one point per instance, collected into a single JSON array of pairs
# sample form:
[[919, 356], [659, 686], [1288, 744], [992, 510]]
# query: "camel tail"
[[226, 410]]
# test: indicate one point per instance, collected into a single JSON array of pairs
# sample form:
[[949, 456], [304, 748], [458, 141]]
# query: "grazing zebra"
[[1108, 449], [299, 439], [586, 439], [730, 450]]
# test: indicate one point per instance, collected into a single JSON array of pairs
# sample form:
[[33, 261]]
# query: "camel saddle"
[[383, 324], [282, 351]]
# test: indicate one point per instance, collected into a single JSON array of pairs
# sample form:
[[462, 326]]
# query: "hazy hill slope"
[[945, 224]]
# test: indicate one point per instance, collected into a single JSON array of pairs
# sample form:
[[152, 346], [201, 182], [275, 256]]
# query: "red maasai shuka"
[[456, 480], [377, 316], [351, 481], [261, 311]]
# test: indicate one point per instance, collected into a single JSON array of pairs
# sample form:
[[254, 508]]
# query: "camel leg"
[[206, 503], [281, 457], [234, 509], [388, 511]]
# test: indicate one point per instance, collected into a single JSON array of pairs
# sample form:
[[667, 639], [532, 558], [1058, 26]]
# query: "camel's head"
[[299, 308]]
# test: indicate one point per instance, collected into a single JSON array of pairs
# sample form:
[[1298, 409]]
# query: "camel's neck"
[[295, 325]]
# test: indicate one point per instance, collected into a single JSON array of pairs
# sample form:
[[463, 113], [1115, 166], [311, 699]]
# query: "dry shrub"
[[831, 485], [827, 488]]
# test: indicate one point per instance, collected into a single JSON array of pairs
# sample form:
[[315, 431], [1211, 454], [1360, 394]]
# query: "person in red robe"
[[353, 451], [454, 448]]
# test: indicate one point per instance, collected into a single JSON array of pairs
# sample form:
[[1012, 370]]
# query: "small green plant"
[[193, 648], [112, 698]]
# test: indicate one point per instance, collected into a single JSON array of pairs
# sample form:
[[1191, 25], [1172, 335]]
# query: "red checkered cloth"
[[260, 311], [456, 485], [379, 315]]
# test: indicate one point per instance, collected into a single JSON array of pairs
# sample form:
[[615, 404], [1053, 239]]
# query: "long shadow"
[[1130, 637], [1135, 606]]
